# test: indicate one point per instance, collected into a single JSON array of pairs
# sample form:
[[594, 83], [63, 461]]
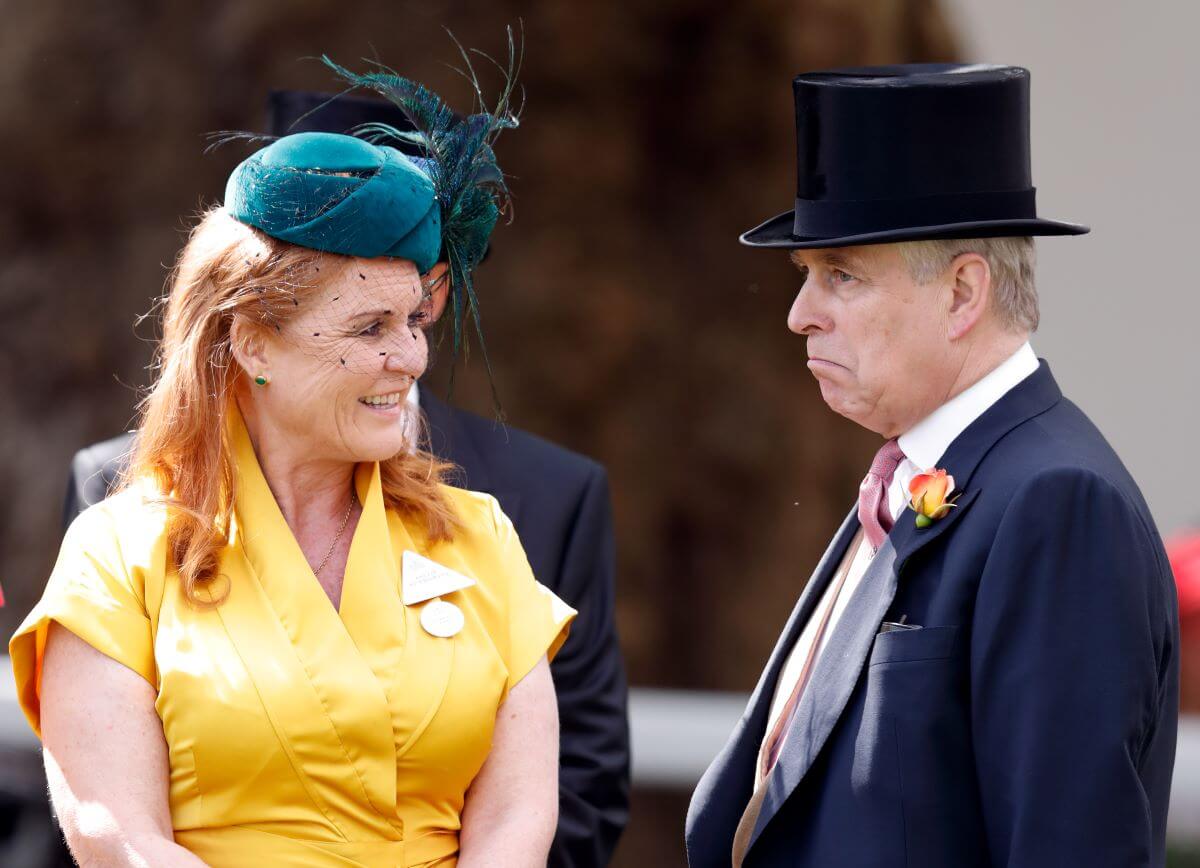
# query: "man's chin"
[[831, 384], [833, 397], [837, 400]]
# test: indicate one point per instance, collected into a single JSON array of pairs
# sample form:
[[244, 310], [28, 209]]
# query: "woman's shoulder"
[[131, 522], [485, 536], [112, 557], [477, 510]]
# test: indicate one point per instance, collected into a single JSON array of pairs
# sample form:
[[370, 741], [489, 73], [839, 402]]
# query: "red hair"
[[229, 270]]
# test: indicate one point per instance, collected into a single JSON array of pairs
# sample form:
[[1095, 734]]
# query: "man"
[[559, 503], [983, 669]]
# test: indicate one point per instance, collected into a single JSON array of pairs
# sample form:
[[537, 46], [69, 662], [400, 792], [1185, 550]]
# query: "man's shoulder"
[[513, 453], [1061, 438], [94, 472], [106, 457], [1052, 449]]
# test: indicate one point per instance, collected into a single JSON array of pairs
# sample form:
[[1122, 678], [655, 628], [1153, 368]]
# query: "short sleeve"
[[92, 594], [538, 621]]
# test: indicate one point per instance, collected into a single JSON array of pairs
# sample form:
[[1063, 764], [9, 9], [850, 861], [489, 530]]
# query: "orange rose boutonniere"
[[931, 496]]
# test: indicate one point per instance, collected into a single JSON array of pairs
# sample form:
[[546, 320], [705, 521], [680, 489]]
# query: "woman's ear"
[[438, 281], [251, 348], [970, 293]]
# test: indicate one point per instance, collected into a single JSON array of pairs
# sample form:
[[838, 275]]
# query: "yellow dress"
[[301, 735]]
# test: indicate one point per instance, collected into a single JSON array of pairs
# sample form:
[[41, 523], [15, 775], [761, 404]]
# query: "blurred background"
[[624, 320]]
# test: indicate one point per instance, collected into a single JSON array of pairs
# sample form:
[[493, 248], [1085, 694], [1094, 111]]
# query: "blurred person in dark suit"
[[984, 667], [558, 501]]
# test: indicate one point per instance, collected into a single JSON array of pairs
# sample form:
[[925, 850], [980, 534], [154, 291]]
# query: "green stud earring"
[[261, 380]]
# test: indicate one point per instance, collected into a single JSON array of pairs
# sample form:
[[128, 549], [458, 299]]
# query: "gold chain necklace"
[[341, 530]]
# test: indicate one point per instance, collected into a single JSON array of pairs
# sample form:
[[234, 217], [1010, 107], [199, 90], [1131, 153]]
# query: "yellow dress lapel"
[[412, 666], [319, 689]]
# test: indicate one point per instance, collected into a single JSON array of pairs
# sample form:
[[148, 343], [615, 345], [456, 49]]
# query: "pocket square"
[[891, 626]]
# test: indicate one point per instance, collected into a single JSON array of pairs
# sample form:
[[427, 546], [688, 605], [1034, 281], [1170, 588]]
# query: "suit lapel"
[[727, 784], [841, 661], [764, 691], [840, 664]]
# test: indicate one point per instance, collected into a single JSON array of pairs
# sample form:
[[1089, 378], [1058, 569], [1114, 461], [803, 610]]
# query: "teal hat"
[[339, 194]]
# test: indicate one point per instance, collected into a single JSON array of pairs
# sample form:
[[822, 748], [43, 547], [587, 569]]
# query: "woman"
[[285, 642]]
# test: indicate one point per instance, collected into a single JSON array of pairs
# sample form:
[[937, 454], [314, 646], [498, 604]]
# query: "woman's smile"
[[389, 404]]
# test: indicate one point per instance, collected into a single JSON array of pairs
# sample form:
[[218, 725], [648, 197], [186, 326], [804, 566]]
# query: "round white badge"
[[442, 619]]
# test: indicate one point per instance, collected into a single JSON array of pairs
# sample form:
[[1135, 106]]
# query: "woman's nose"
[[398, 363]]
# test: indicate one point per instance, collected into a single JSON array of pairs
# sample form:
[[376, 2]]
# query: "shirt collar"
[[926, 442], [412, 417]]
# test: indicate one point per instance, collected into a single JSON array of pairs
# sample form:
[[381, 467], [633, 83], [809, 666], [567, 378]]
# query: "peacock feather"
[[456, 153]]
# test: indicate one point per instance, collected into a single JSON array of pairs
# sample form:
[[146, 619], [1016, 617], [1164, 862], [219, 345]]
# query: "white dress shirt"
[[923, 445], [411, 420], [927, 441]]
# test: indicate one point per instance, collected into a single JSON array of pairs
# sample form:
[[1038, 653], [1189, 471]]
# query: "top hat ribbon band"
[[832, 218]]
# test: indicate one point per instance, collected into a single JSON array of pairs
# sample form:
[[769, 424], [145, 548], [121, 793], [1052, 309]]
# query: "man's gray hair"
[[1011, 260]]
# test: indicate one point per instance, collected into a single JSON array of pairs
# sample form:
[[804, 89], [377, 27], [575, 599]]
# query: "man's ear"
[[970, 293], [439, 282], [250, 347]]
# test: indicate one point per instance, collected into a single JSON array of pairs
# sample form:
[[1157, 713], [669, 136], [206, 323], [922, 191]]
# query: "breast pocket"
[[913, 743], [917, 728], [911, 646], [913, 678]]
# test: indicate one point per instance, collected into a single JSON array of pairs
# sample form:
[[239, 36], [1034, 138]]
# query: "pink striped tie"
[[873, 511]]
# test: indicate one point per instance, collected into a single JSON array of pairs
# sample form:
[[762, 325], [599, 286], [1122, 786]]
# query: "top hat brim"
[[779, 232]]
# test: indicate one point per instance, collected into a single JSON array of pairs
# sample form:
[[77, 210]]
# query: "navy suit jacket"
[[559, 503], [1030, 721]]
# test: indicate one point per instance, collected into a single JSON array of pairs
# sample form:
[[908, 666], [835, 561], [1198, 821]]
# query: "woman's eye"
[[840, 276], [372, 330], [417, 318]]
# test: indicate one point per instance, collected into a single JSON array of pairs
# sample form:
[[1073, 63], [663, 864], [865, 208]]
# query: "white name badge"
[[423, 579], [442, 619]]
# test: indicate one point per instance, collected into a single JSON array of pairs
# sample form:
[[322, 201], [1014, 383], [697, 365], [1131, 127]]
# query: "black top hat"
[[899, 153]]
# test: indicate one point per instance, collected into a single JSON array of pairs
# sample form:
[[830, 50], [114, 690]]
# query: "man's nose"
[[806, 315]]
